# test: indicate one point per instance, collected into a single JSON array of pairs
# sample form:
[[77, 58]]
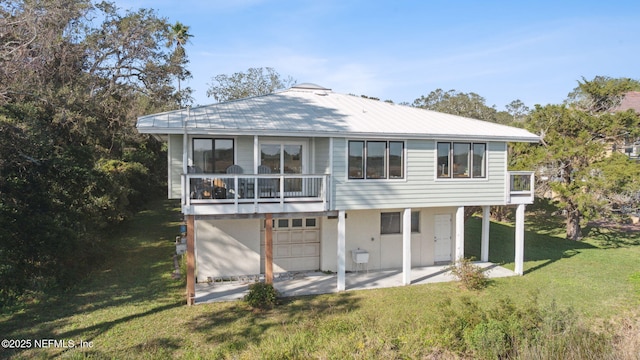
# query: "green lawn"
[[132, 308]]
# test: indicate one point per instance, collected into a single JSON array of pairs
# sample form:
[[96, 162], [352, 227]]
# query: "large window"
[[461, 160], [212, 155], [376, 160]]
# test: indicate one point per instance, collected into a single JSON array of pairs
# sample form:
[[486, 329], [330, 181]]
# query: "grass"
[[132, 308]]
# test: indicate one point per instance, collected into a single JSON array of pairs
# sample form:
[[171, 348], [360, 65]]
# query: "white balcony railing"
[[241, 193], [521, 187]]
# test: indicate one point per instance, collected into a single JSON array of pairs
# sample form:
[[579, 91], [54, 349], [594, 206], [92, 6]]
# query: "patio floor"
[[316, 283]]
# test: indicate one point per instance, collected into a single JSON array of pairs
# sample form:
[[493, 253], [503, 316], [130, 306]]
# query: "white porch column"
[[459, 233], [341, 251], [486, 222], [406, 247], [519, 260]]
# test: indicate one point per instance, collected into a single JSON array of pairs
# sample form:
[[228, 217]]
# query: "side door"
[[442, 238]]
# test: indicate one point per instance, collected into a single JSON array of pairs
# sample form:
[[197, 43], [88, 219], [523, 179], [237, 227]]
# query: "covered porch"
[[316, 283], [313, 283]]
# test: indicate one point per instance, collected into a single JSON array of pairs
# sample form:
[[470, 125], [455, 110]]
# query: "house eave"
[[351, 135]]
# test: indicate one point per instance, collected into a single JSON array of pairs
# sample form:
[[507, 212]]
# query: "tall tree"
[[179, 36], [601, 94], [576, 162], [253, 82], [518, 110], [469, 105], [71, 162]]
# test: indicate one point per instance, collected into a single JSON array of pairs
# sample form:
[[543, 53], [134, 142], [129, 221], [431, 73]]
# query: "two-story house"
[[297, 180]]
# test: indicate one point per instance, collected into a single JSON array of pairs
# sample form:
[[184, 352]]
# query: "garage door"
[[296, 245]]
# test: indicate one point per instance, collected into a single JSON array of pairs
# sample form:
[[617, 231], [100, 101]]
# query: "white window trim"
[[190, 146], [405, 156], [305, 151], [461, 180], [413, 211]]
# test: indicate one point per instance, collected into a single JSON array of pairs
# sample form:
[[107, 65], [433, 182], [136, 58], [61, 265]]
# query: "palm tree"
[[178, 35]]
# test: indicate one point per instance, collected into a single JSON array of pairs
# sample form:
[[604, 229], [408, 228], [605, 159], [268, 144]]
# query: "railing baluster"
[[246, 189]]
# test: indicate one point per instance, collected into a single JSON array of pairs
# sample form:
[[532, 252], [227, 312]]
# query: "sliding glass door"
[[284, 158]]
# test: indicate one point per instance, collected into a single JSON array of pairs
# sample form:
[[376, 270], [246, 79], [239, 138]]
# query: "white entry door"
[[442, 238]]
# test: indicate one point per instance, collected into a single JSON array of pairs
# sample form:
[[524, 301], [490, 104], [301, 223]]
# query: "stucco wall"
[[385, 251], [227, 247]]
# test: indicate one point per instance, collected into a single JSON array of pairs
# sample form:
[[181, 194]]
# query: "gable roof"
[[313, 111]]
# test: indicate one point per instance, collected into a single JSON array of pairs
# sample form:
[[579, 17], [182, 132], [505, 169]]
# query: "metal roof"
[[314, 111]]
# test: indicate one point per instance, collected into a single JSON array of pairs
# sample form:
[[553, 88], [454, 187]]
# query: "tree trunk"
[[469, 211], [574, 231]]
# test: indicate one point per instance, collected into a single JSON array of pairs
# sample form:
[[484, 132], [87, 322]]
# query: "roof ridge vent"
[[309, 86]]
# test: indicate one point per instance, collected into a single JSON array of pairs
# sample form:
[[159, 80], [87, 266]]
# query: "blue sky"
[[535, 51]]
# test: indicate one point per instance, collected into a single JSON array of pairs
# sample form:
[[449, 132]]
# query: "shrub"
[[506, 331], [471, 276], [488, 340], [261, 295], [449, 330]]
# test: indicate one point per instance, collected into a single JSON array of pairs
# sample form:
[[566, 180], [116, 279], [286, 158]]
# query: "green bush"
[[505, 331], [471, 276], [449, 330], [261, 295], [488, 340]]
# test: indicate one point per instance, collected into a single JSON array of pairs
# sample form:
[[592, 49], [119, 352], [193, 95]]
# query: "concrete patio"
[[316, 283]]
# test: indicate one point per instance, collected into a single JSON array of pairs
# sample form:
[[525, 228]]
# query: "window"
[[356, 155], [283, 223], [212, 155], [461, 160], [391, 222], [396, 162], [444, 149], [415, 221], [376, 151], [376, 160], [479, 153]]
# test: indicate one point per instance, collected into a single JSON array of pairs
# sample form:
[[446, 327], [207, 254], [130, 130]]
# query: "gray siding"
[[321, 156], [175, 166], [244, 153], [420, 188]]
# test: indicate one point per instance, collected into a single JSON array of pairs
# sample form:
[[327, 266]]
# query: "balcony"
[[218, 194], [521, 189]]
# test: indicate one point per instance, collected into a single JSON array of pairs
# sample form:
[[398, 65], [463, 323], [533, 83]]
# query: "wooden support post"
[[268, 249], [191, 261]]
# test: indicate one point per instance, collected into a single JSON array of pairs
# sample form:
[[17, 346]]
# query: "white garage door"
[[296, 245]]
